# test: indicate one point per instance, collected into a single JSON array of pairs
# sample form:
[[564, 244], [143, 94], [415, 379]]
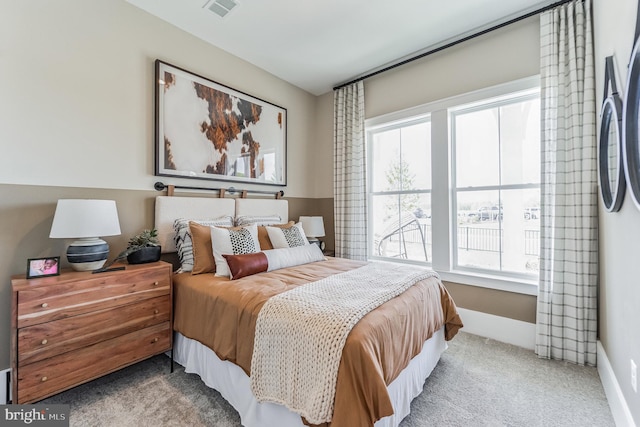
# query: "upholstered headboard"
[[170, 208], [246, 207]]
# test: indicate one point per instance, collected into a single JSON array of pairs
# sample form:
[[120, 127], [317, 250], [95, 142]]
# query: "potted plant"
[[142, 248]]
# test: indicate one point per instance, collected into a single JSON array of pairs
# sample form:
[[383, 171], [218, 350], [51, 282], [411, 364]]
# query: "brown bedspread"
[[222, 314]]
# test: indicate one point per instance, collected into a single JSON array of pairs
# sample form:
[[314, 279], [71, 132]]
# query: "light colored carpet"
[[478, 382]]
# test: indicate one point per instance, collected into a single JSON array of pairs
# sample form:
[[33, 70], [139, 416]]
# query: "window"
[[456, 184], [400, 190], [496, 184]]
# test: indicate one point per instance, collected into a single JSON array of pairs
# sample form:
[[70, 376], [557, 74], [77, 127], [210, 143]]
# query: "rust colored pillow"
[[263, 236], [203, 261], [246, 264]]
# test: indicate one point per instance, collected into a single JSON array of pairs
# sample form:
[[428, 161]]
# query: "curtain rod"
[[160, 186], [455, 42]]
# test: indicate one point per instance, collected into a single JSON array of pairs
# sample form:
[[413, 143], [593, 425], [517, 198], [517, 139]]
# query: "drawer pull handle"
[[43, 379], [44, 305], [155, 283], [155, 311], [44, 342], [155, 339]]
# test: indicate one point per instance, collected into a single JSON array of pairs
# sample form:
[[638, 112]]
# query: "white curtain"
[[567, 301], [349, 183]]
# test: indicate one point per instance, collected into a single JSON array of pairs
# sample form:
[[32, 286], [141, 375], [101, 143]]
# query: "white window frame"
[[519, 96], [370, 131], [442, 211]]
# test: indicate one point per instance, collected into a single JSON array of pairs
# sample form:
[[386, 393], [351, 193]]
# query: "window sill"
[[519, 286]]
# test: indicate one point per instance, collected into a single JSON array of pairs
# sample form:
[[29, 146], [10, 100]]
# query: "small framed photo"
[[43, 267]]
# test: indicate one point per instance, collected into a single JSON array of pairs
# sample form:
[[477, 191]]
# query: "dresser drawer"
[[50, 339], [50, 376], [75, 297]]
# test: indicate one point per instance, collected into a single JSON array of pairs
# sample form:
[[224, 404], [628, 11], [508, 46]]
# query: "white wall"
[[76, 89], [614, 27]]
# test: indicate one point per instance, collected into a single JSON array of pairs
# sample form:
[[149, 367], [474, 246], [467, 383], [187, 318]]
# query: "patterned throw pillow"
[[243, 220], [287, 237], [184, 242], [232, 241], [263, 236]]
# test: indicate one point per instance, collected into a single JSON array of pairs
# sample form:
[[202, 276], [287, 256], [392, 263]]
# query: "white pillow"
[[184, 242], [232, 242], [289, 257], [287, 237], [243, 220]]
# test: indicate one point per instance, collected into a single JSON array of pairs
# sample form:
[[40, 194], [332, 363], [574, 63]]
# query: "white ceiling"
[[317, 45]]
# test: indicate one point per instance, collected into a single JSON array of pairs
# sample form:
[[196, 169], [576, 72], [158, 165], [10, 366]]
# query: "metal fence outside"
[[475, 239]]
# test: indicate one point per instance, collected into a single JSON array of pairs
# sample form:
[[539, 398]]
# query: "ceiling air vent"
[[221, 7]]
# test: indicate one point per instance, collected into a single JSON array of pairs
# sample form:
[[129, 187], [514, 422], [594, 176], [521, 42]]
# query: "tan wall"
[[493, 301], [619, 297]]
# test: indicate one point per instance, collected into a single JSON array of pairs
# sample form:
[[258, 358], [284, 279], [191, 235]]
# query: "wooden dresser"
[[73, 328]]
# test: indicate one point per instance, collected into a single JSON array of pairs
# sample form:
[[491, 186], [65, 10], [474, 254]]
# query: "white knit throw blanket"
[[300, 334]]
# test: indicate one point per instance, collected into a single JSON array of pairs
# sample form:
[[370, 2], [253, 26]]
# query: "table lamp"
[[313, 227], [86, 221]]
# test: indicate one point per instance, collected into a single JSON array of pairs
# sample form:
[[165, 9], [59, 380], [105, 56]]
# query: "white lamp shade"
[[85, 220], [81, 218], [313, 226]]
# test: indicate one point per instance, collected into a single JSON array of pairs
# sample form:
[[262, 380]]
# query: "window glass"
[[400, 202], [520, 142], [497, 194], [402, 158], [477, 148]]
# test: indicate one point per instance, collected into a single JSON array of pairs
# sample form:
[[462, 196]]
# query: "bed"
[[386, 357]]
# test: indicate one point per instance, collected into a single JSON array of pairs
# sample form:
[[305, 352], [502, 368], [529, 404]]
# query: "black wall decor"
[[610, 158], [630, 115]]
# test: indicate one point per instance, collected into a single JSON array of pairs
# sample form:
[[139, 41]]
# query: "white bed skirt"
[[233, 384]]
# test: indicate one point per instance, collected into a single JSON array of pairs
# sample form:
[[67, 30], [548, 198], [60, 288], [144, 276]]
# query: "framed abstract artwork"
[[206, 130]]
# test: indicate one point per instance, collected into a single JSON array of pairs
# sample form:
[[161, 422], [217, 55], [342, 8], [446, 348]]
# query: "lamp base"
[[87, 254], [316, 241]]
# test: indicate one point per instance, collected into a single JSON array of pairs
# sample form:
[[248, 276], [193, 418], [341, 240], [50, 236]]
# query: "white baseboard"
[[503, 329], [4, 376], [617, 403]]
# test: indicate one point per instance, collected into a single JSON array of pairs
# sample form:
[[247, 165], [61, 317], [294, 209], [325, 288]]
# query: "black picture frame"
[[206, 130], [39, 267]]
